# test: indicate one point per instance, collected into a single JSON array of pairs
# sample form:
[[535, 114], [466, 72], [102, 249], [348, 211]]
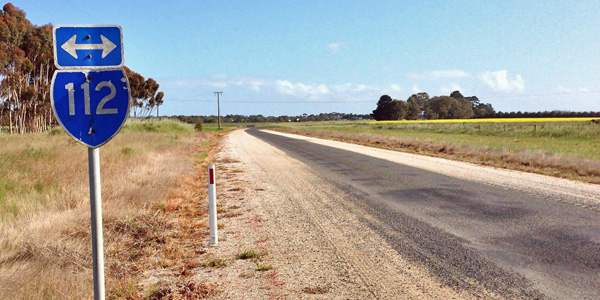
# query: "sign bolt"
[[89, 56], [87, 37]]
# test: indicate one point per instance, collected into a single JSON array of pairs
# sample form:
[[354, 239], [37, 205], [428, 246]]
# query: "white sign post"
[[212, 206]]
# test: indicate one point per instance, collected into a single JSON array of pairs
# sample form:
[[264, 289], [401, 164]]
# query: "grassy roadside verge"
[[567, 150], [149, 175]]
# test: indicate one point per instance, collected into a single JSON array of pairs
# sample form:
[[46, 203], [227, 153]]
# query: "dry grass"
[[187, 290], [547, 163], [262, 266], [215, 263], [148, 180], [248, 254]]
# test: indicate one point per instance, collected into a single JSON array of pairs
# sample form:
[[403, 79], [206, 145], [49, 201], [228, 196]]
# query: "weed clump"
[[260, 266], [56, 131], [189, 290], [215, 263], [248, 254], [128, 152]]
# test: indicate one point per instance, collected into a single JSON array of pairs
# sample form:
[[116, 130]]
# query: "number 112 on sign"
[[91, 105], [86, 98]]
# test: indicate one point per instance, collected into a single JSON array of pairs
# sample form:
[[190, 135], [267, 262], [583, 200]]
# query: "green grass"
[[214, 127], [571, 139], [495, 120], [7, 189], [248, 254], [157, 126], [137, 125], [57, 131], [128, 152], [133, 126], [200, 157], [261, 266], [215, 263]]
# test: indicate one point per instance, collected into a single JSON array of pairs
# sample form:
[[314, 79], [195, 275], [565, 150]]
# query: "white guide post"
[[96, 208], [212, 206]]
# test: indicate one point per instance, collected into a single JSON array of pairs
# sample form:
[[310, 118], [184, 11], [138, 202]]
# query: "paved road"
[[509, 241]]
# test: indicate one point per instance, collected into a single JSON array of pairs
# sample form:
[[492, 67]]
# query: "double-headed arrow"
[[71, 47]]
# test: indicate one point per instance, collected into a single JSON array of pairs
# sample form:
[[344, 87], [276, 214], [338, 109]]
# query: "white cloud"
[[416, 89], [255, 85], [300, 89], [352, 88], [334, 48], [342, 88], [396, 88], [217, 84], [360, 88], [564, 89], [219, 81], [249, 86], [440, 74], [499, 81], [447, 90]]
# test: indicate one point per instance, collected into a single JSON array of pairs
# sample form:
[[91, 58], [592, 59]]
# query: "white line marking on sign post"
[[96, 208], [212, 206]]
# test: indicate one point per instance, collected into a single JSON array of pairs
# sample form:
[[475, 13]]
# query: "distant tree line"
[[26, 68], [421, 106], [262, 119], [547, 114], [455, 106]]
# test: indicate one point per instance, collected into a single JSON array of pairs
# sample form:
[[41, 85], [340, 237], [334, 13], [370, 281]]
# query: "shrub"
[[248, 255]]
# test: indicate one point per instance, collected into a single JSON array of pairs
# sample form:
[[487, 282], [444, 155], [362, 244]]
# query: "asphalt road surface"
[[511, 241]]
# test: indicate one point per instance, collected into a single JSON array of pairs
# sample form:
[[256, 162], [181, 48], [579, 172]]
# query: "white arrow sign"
[[71, 47]]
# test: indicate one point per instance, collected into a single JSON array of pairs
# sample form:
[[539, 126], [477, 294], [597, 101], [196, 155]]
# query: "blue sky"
[[294, 57]]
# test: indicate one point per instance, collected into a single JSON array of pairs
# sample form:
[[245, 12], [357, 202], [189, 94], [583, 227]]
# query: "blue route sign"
[[88, 46], [91, 105]]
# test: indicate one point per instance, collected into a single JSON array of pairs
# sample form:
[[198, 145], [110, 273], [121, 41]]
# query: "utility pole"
[[218, 107]]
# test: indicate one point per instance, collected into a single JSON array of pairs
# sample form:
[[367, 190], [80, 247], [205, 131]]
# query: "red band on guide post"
[[212, 176]]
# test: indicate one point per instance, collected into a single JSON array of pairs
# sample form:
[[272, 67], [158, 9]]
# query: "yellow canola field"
[[501, 120]]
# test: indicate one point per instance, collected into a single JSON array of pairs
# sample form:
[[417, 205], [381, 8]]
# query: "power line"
[[42, 9], [81, 10]]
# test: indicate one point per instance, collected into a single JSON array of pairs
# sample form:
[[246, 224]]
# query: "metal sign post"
[[90, 98], [96, 209]]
